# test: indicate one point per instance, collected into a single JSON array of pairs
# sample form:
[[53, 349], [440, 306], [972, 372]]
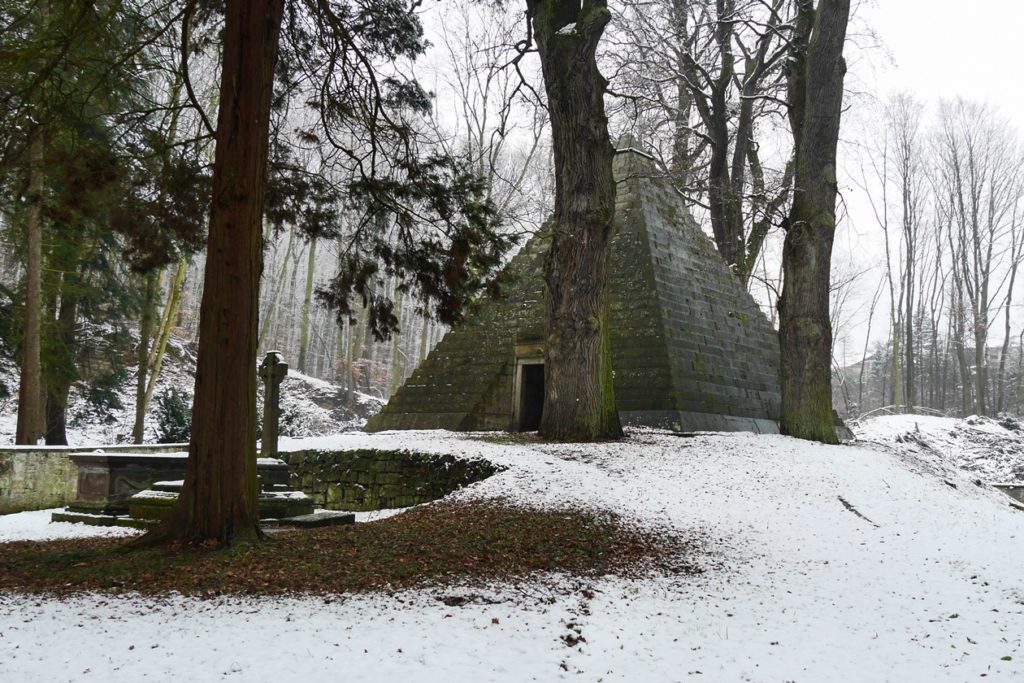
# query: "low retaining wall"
[[41, 477], [380, 479]]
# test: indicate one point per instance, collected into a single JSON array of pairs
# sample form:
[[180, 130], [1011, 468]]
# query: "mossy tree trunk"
[[151, 283], [61, 356], [218, 502], [579, 400], [815, 95]]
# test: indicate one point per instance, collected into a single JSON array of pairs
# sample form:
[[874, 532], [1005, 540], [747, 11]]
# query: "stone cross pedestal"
[[273, 369]]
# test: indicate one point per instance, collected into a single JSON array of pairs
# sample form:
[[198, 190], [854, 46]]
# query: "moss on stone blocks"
[[374, 479]]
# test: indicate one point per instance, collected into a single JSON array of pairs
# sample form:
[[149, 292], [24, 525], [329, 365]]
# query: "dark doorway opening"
[[531, 396]]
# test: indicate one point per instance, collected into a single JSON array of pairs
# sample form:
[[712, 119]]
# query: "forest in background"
[[698, 83], [944, 184]]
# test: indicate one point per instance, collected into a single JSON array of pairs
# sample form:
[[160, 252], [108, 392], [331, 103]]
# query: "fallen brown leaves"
[[434, 544]]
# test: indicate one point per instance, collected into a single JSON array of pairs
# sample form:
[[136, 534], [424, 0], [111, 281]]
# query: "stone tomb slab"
[[107, 481], [319, 519]]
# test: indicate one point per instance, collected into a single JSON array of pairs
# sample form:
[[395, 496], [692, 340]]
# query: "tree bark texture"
[[30, 388], [218, 502], [805, 330], [579, 400]]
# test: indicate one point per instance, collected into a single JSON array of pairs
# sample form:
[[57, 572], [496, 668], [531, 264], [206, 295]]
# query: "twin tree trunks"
[[579, 401], [805, 330]]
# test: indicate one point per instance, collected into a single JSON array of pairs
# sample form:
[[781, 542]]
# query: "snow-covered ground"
[[820, 563], [989, 449], [36, 526]]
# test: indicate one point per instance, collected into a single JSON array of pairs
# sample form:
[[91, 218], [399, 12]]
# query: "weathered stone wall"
[[379, 479], [41, 477], [723, 355]]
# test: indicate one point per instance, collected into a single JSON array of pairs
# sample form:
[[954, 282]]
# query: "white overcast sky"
[[935, 49], [942, 48]]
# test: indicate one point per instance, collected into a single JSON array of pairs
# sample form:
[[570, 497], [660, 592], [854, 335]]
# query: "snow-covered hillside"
[[309, 406], [990, 450], [842, 563]]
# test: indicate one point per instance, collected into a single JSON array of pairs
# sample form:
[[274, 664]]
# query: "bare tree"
[[815, 94], [1016, 240], [894, 155], [697, 78], [978, 189], [579, 398]]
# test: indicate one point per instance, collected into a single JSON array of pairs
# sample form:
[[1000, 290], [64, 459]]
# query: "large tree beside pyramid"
[[439, 237], [579, 401], [815, 98]]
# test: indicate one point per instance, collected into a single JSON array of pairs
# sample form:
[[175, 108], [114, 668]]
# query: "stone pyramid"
[[691, 350]]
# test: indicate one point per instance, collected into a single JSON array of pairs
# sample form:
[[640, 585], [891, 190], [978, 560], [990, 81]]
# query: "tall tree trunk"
[[340, 351], [579, 398], [62, 358], [150, 285], [681, 134], [1004, 351], [805, 331], [864, 356], [980, 361], [723, 202], [959, 338], [908, 322], [218, 501], [284, 324], [350, 369], [167, 320], [396, 346], [1020, 372], [30, 387], [897, 371], [306, 302], [364, 351]]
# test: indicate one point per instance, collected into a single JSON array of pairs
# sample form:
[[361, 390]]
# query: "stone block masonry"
[[367, 479], [34, 479], [42, 477]]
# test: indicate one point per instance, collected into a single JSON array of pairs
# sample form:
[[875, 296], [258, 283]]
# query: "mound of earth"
[[990, 449]]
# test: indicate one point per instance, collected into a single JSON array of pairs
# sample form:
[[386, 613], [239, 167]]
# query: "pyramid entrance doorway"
[[528, 400]]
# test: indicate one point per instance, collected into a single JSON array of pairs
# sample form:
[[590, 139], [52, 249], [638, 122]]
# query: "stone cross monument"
[[273, 369]]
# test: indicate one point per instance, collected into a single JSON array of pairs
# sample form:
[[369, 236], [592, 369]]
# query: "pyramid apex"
[[631, 157], [627, 141]]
